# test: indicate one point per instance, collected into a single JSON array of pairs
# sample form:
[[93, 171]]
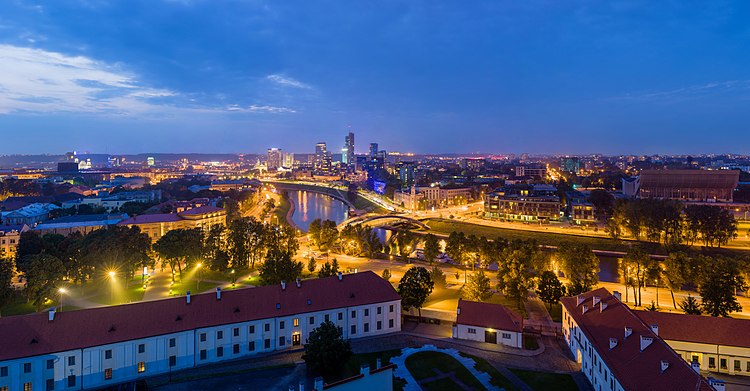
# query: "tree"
[[326, 350], [311, 265], [29, 243], [519, 265], [677, 272], [603, 201], [431, 248], [414, 288], [690, 306], [405, 241], [328, 270], [549, 288], [714, 225], [43, 276], [652, 307], [314, 229], [718, 285], [580, 266], [478, 287], [636, 260], [180, 246], [213, 245], [438, 277], [7, 272], [386, 274], [455, 246], [279, 266]]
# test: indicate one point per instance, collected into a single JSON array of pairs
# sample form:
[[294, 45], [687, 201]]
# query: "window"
[[72, 381], [27, 387], [236, 349], [172, 342], [737, 366], [4, 371], [281, 325], [71, 360], [367, 327], [142, 348], [267, 327], [390, 309], [49, 384], [367, 312], [723, 363], [203, 337], [390, 323], [312, 320], [327, 318], [220, 351], [354, 329], [251, 346], [251, 329], [108, 374], [712, 362], [380, 310], [172, 361], [236, 332], [27, 366], [341, 316], [281, 341], [472, 331], [295, 322], [203, 354], [747, 368], [220, 334], [50, 364], [108, 354], [141, 367], [379, 325], [267, 343], [354, 314], [506, 335]]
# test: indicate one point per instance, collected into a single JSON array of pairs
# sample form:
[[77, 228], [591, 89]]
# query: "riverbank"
[[284, 210], [290, 213], [359, 202]]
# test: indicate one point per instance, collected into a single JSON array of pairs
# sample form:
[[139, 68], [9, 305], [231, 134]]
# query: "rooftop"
[[699, 329], [495, 316]]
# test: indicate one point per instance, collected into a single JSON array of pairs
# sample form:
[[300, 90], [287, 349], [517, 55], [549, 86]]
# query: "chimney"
[[298, 281], [579, 299], [218, 293], [617, 295], [458, 311], [596, 300], [283, 285], [645, 342], [187, 297], [612, 343], [291, 388], [655, 328], [602, 306], [51, 314], [628, 331], [664, 366], [302, 385], [585, 308], [717, 384], [318, 384], [341, 276], [696, 366], [364, 369]]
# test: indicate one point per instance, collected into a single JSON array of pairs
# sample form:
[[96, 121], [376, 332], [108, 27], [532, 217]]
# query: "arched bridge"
[[368, 218]]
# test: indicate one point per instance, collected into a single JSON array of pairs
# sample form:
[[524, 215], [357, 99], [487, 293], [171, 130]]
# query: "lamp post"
[[198, 285], [62, 291], [656, 281], [466, 267], [112, 275]]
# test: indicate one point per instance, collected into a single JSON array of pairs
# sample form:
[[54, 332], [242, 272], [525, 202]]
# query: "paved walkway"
[[412, 384]]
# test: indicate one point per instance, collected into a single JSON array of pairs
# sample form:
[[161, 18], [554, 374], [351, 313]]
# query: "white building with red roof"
[[619, 352], [105, 346], [491, 323], [157, 225]]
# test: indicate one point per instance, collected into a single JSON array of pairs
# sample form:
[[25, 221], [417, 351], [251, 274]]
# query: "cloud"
[[711, 89], [260, 109], [40, 81], [288, 82]]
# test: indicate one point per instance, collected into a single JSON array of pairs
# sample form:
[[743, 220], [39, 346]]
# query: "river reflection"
[[310, 206]]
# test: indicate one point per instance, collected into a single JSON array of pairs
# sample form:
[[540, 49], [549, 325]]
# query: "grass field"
[[19, 306], [542, 381], [496, 378], [425, 365]]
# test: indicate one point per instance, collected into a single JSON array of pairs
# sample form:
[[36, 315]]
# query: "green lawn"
[[106, 292], [496, 378], [424, 365], [19, 306], [181, 288], [530, 342], [542, 381]]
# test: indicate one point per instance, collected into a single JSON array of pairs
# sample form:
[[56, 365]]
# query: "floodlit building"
[[101, 347], [9, 238], [275, 158], [157, 225], [491, 323], [29, 215], [686, 185], [618, 351], [83, 224], [532, 203]]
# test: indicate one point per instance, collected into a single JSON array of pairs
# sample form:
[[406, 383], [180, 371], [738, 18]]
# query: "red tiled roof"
[[106, 325], [149, 219], [496, 316], [699, 329], [201, 210], [633, 368]]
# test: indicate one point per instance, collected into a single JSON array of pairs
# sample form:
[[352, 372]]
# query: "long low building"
[[718, 344], [157, 225], [486, 322], [109, 345], [619, 352]]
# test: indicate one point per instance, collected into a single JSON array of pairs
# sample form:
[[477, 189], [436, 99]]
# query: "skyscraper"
[[373, 150], [322, 159], [274, 159], [349, 154]]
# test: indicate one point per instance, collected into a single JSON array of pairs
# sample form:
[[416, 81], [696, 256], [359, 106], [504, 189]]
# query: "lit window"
[[27, 387], [295, 322], [141, 367], [108, 374]]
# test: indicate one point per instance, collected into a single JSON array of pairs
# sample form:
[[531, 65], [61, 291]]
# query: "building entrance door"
[[296, 340], [490, 336]]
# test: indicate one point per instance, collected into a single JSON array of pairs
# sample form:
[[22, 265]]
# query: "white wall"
[[463, 332]]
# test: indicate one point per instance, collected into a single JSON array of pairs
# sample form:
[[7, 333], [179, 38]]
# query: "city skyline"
[[625, 78]]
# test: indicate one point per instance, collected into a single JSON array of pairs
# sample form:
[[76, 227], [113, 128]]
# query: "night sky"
[[422, 76]]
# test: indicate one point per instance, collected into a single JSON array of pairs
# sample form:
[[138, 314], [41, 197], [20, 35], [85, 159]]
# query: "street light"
[[62, 291], [466, 267], [111, 275], [198, 287]]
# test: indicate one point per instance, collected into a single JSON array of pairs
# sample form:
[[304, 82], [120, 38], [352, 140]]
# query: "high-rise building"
[[274, 159], [288, 161], [406, 173], [150, 161], [348, 152], [373, 150], [322, 159]]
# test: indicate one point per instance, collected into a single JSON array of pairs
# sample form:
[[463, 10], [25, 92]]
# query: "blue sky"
[[423, 76]]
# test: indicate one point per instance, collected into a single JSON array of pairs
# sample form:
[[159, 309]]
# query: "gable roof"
[[495, 316], [633, 368], [699, 329], [106, 325]]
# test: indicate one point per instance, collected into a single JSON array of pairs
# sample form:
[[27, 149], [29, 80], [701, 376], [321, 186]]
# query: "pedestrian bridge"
[[370, 217]]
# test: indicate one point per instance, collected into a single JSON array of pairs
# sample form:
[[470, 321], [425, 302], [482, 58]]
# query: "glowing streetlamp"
[[234, 278], [199, 265], [111, 275], [62, 291]]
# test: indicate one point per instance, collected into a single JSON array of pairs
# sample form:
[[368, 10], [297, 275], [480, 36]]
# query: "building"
[[582, 211], [157, 225], [30, 215], [406, 173], [570, 164], [67, 167], [274, 159], [379, 378], [104, 346], [617, 351], [323, 159], [532, 203], [532, 170], [9, 238], [288, 161], [491, 323], [231, 184], [425, 197], [347, 152], [82, 224], [688, 185], [114, 202], [717, 344], [373, 150]]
